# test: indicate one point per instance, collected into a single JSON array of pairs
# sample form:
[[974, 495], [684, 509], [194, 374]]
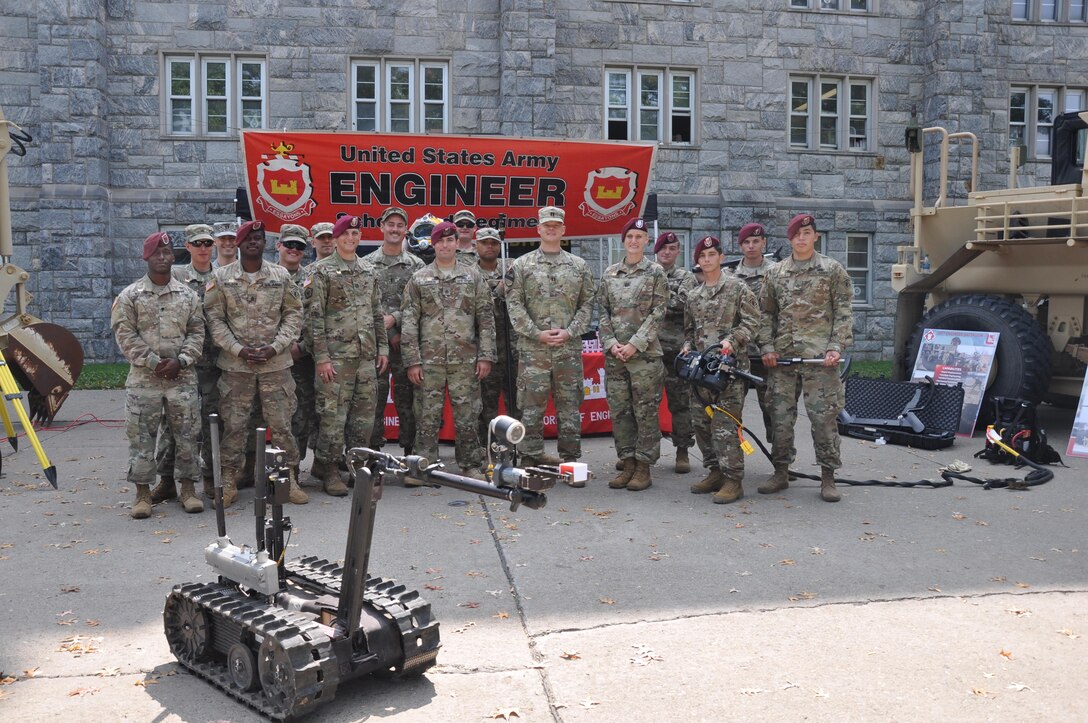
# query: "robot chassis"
[[282, 637]]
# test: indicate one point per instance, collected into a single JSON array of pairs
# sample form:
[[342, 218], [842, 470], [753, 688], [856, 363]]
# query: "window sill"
[[200, 137], [855, 13], [867, 306], [831, 152], [1051, 23]]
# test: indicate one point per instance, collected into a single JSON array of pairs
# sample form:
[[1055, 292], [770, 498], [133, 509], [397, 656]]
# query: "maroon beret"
[[245, 228], [443, 229], [707, 242], [154, 241], [798, 222], [344, 223], [750, 229], [664, 240], [637, 224]]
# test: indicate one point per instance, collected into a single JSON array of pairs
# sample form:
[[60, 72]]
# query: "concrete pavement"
[[606, 605]]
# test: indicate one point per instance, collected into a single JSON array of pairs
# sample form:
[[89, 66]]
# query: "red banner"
[[309, 177]]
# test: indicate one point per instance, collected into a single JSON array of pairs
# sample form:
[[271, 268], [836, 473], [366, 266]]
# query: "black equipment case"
[[914, 414]]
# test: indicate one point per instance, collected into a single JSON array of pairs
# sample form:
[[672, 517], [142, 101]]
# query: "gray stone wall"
[[84, 77]]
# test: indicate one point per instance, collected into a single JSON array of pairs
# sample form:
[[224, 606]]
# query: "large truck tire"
[[1022, 366]]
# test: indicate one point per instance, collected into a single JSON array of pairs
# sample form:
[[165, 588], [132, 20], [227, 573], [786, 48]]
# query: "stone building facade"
[[763, 108]]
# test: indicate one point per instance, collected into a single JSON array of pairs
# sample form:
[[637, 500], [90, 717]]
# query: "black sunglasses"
[[205, 242], [294, 245], [465, 224]]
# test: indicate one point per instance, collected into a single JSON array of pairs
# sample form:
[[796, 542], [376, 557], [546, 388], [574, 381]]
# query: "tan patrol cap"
[[320, 229], [197, 232], [549, 214], [294, 232]]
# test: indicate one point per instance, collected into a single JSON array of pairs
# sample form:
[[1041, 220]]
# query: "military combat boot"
[[295, 494], [209, 488], [640, 480], [333, 484], [683, 464], [828, 493], [164, 490], [776, 482], [230, 487], [623, 478], [548, 459], [141, 508], [320, 470], [619, 465], [188, 497], [711, 483], [731, 491], [247, 476]]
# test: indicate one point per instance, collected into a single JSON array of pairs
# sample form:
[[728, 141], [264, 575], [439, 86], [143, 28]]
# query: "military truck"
[[1011, 261]]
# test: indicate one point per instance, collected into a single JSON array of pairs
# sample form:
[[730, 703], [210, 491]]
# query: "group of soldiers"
[[308, 350], [758, 313]]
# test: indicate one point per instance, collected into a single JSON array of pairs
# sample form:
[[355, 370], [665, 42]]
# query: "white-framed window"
[[400, 96], [214, 95], [650, 104], [1049, 11], [831, 113], [852, 6], [1032, 110], [859, 264]]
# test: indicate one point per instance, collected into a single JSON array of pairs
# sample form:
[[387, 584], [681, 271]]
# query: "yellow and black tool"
[[15, 396], [12, 437]]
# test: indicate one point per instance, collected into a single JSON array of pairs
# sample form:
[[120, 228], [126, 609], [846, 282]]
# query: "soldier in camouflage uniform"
[[752, 241], [448, 342], [723, 312], [324, 242], [631, 300], [291, 247], [806, 301], [465, 221], [550, 303], [195, 275], [255, 313], [350, 348], [226, 243], [394, 266], [159, 328], [497, 276], [671, 336]]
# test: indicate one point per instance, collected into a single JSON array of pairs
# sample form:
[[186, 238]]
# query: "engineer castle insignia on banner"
[[610, 192], [284, 185]]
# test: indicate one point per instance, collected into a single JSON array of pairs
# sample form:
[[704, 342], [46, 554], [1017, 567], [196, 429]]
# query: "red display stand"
[[596, 418]]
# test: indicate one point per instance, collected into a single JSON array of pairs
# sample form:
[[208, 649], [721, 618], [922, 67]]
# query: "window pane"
[[1020, 9], [859, 5], [860, 281], [617, 130], [681, 91], [1076, 11], [366, 82], [829, 4], [400, 118], [798, 131], [215, 79], [829, 132], [180, 83], [1018, 107], [1047, 10], [649, 86], [252, 116], [1046, 106], [859, 99], [399, 83], [799, 99], [1042, 141], [829, 98], [1074, 100], [681, 129], [181, 116], [251, 80], [647, 121], [434, 84], [366, 116], [217, 116], [799, 3]]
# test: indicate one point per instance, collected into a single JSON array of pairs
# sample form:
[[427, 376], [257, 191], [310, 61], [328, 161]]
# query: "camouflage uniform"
[[727, 310], [152, 323], [303, 372], [254, 310], [806, 313], [671, 336], [393, 273], [207, 379], [550, 291], [346, 326], [469, 257], [449, 324], [753, 276], [494, 383], [632, 301]]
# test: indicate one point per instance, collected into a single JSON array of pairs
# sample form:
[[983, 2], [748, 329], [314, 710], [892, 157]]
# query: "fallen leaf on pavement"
[[468, 605], [821, 693], [751, 691], [107, 672], [803, 595], [69, 588], [31, 672], [505, 713], [607, 600], [1069, 633], [786, 562], [433, 587], [1019, 613], [465, 627], [8, 680], [68, 621], [585, 558], [644, 655], [476, 573], [933, 589], [570, 656], [1020, 687], [999, 578], [1022, 585], [82, 692], [958, 516], [1006, 654], [91, 623], [980, 691], [144, 682], [815, 551], [79, 645], [588, 703], [789, 685], [501, 615]]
